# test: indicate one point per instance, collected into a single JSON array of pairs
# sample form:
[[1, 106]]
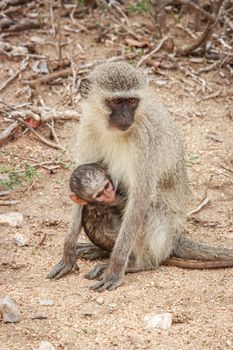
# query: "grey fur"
[[147, 160]]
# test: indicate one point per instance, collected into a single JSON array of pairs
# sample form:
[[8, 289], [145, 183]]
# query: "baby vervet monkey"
[[126, 128], [91, 184], [92, 187]]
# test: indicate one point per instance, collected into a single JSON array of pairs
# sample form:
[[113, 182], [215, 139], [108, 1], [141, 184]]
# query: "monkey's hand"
[[65, 265], [108, 280]]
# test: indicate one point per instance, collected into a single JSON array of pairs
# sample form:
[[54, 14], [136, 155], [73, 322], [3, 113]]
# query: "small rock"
[[46, 302], [9, 310], [162, 321], [46, 345], [100, 300], [14, 219], [20, 240]]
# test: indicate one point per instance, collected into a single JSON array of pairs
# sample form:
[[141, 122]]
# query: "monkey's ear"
[[77, 200], [84, 87]]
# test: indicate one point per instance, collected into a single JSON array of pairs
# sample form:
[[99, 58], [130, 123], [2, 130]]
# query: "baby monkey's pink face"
[[104, 195], [107, 193]]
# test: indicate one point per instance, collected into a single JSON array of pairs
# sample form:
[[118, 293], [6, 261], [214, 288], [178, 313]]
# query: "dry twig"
[[199, 9], [22, 67], [59, 44], [64, 73], [44, 114], [150, 54], [51, 127], [21, 26], [10, 202], [188, 49], [41, 138], [53, 31], [208, 97], [199, 207], [8, 132]]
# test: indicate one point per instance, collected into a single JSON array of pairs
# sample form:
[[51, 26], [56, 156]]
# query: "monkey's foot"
[[108, 281], [62, 269], [89, 251], [96, 271]]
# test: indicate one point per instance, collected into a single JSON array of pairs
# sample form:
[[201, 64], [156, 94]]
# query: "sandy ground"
[[200, 301]]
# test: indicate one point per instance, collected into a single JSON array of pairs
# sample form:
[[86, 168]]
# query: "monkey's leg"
[[89, 251], [69, 258]]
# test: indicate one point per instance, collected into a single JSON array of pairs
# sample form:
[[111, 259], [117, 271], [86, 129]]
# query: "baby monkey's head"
[[91, 184]]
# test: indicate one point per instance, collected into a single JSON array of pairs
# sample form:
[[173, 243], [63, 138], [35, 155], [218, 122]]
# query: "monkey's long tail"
[[205, 256]]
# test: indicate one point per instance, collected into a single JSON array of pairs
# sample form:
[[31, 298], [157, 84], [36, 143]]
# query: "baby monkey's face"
[[106, 194], [91, 185]]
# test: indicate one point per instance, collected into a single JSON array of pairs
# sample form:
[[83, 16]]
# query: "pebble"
[[100, 300], [20, 240], [46, 345], [162, 321], [46, 302], [9, 310], [13, 219]]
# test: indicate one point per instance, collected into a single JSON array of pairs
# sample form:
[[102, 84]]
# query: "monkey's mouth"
[[120, 127]]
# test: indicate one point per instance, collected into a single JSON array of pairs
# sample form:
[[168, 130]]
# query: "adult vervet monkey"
[[103, 207], [126, 129]]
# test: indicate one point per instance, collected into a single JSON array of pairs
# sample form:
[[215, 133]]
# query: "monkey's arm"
[[68, 261]]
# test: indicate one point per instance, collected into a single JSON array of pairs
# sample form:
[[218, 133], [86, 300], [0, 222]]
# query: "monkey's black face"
[[122, 112]]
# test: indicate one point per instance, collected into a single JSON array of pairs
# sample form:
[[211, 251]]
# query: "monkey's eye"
[[114, 102], [106, 186], [132, 101], [98, 195]]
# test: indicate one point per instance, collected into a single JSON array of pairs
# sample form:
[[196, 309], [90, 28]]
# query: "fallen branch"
[[199, 207], [160, 16], [31, 186], [150, 54], [227, 168], [208, 68], [188, 49], [22, 67], [115, 16], [53, 132], [199, 9], [64, 73], [41, 138], [6, 3], [208, 97], [44, 115], [212, 76], [8, 132], [19, 27], [13, 50], [4, 193], [6, 203]]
